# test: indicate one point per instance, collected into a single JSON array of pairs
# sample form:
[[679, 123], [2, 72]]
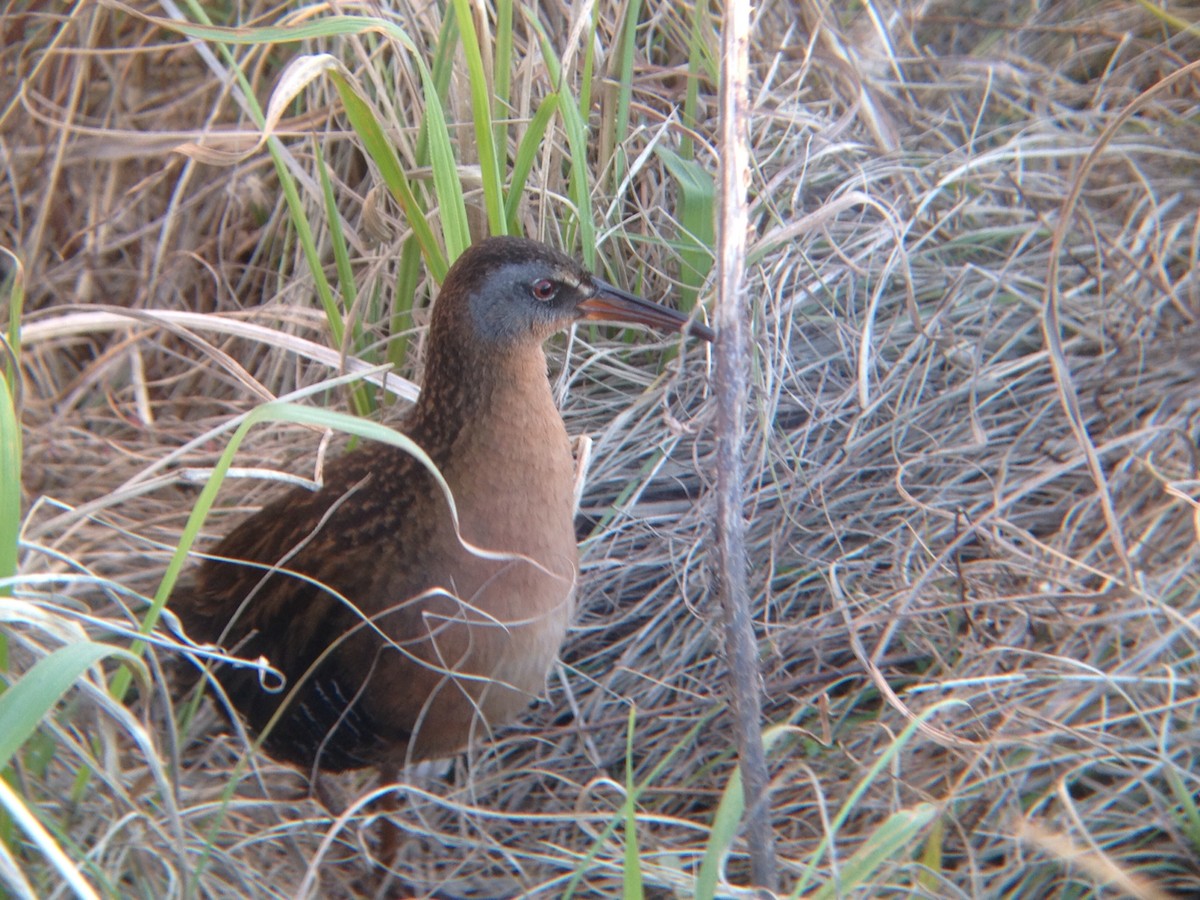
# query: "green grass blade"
[[697, 216], [481, 106], [308, 246], [702, 63], [10, 447], [360, 394], [10, 495], [502, 79], [26, 703], [588, 69], [381, 151], [527, 152], [899, 830], [13, 288], [633, 884], [309, 29], [878, 767], [341, 252], [39, 837], [1177, 23], [726, 821], [408, 276], [620, 128], [446, 183], [579, 187], [1188, 814], [587, 859], [441, 69], [929, 876], [291, 193]]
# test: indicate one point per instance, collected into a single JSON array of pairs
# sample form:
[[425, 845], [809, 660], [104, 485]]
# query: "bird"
[[405, 628]]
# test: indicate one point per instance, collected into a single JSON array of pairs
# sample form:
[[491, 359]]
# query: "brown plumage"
[[397, 642]]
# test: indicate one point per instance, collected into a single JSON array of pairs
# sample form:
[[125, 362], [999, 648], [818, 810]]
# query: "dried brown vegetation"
[[973, 448]]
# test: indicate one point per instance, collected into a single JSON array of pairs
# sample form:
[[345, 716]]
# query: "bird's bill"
[[611, 304]]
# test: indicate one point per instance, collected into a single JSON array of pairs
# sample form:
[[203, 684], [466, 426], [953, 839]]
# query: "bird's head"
[[509, 291]]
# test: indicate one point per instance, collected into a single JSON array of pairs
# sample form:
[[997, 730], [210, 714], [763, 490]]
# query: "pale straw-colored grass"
[[972, 447]]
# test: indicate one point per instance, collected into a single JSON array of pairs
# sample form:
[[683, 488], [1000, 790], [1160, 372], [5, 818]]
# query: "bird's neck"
[[465, 390]]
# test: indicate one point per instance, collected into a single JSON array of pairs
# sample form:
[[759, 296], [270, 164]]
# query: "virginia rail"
[[399, 641]]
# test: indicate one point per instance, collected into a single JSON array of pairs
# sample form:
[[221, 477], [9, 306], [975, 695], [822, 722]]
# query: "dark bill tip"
[[611, 304]]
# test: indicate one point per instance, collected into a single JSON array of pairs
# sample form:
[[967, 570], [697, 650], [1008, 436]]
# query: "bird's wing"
[[306, 570]]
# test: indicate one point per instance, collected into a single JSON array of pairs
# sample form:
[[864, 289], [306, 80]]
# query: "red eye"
[[544, 289]]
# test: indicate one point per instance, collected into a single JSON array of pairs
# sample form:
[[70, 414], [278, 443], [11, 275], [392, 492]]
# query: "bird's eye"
[[545, 289]]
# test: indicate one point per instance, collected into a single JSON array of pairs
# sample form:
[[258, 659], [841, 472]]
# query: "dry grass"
[[973, 446]]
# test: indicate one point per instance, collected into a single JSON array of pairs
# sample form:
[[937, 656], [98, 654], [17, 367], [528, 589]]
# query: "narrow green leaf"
[[341, 253], [580, 186], [931, 858], [308, 29], [633, 886], [360, 395], [481, 105], [725, 823], [576, 131], [588, 68], [39, 838], [899, 830], [408, 276], [697, 216], [440, 70], [10, 477], [624, 88], [308, 246], [25, 704], [1189, 812], [13, 288], [1178, 23], [445, 53], [502, 79], [527, 152], [446, 182], [700, 57], [882, 761], [381, 151], [663, 764]]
